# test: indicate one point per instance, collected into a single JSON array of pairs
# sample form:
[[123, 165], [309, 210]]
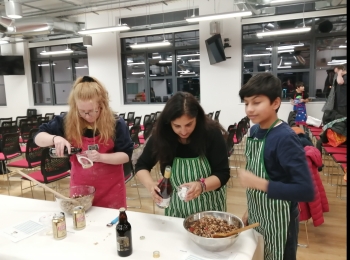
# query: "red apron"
[[108, 179]]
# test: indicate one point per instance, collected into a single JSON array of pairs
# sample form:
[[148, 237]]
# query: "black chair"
[[157, 115], [146, 119], [18, 119], [32, 132], [31, 112], [210, 115], [63, 113], [51, 170], [50, 116], [137, 121], [130, 118], [8, 119], [8, 123], [158, 99], [134, 135], [147, 130], [165, 98], [152, 117], [216, 116], [25, 131], [122, 115], [41, 120]]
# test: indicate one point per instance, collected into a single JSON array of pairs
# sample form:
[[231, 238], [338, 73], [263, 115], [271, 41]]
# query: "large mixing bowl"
[[83, 196], [213, 244]]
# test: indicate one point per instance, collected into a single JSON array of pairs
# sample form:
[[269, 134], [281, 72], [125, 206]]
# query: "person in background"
[[277, 176], [328, 82], [340, 85], [289, 86], [298, 99], [90, 124], [186, 139]]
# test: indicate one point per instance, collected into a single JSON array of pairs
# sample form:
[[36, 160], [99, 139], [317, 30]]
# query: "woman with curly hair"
[[90, 124]]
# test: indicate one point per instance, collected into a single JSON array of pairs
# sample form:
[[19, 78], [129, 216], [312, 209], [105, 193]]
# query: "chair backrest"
[[130, 118], [229, 140], [31, 112], [152, 117], [25, 130], [8, 119], [146, 119], [32, 132], [33, 152], [134, 134], [63, 113], [53, 166], [8, 130], [217, 114], [234, 126], [239, 131], [122, 115], [42, 120], [8, 123], [137, 121], [157, 115], [158, 99], [18, 119], [128, 171], [147, 129], [210, 115], [10, 144], [50, 116], [165, 98]]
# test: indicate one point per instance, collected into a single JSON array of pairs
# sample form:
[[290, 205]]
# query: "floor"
[[327, 241]]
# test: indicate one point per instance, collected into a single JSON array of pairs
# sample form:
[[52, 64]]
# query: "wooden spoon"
[[46, 187], [236, 231]]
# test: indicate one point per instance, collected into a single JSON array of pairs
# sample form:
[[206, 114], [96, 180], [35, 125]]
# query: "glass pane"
[[78, 48], [81, 67], [324, 81], [257, 57], [135, 66], [42, 71], [330, 51], [186, 38], [293, 55], [160, 64], [62, 91], [135, 90], [35, 52], [42, 93], [128, 41], [290, 79], [161, 90], [249, 31], [187, 63], [62, 71], [189, 84], [331, 24], [2, 93], [160, 37]]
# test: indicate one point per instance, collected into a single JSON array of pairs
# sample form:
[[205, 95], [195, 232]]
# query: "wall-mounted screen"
[[215, 49], [11, 65]]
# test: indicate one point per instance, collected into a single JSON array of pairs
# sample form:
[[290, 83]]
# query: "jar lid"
[[156, 254]]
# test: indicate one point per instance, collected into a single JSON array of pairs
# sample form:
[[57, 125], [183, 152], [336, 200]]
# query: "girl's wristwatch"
[[202, 182]]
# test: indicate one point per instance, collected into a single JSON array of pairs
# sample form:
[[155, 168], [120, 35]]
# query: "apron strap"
[[272, 126]]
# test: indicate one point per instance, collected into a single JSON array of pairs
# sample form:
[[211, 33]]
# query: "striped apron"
[[272, 214], [188, 170]]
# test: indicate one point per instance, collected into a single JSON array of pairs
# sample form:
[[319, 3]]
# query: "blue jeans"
[[290, 250]]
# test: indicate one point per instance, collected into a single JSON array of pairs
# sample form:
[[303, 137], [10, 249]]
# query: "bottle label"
[[165, 203], [123, 244]]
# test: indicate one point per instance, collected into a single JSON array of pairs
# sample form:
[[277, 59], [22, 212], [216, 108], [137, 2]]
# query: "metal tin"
[[79, 221], [59, 226]]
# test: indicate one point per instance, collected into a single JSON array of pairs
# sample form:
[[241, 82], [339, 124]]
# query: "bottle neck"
[[167, 174]]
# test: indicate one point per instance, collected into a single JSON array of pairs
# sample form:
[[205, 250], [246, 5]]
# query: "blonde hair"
[[88, 88]]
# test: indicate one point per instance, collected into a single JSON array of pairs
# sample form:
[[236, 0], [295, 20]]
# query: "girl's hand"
[[59, 143], [194, 190], [93, 155], [153, 189]]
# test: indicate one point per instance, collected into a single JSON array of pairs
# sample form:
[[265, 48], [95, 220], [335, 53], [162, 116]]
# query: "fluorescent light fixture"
[[135, 63], [265, 64], [66, 51], [3, 42], [335, 63], [342, 46], [284, 67], [281, 1], [165, 61], [153, 75], [46, 64], [188, 55], [79, 67], [157, 57], [258, 54], [138, 73], [194, 60], [286, 51], [120, 27], [339, 60], [150, 44], [284, 31], [286, 47], [287, 63], [193, 19], [13, 9]]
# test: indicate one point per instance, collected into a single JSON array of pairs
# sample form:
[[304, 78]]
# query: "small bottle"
[[59, 226], [79, 221], [123, 230], [73, 150], [166, 189]]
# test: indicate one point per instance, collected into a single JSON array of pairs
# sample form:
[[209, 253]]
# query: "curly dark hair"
[[166, 140]]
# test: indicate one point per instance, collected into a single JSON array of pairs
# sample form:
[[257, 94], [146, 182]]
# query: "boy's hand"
[[249, 180]]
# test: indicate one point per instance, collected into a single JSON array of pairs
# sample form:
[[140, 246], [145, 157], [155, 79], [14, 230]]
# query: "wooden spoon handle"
[[43, 185], [236, 231]]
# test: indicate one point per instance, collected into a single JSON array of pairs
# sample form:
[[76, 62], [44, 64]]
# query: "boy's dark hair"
[[299, 84], [340, 67], [262, 84]]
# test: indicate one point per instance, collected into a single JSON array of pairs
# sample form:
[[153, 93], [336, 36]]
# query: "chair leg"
[[307, 236], [31, 189]]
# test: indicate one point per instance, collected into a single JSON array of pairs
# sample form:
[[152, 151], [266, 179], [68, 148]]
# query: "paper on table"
[[22, 230]]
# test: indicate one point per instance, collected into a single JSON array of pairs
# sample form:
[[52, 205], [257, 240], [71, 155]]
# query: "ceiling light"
[[195, 60], [66, 51], [286, 51], [79, 67], [46, 64], [150, 44], [87, 41], [335, 63], [286, 47], [138, 73], [339, 60], [3, 42], [122, 27], [342, 46], [217, 16], [284, 31], [165, 61], [284, 67], [258, 54], [287, 63], [265, 64], [187, 55], [13, 9], [136, 63]]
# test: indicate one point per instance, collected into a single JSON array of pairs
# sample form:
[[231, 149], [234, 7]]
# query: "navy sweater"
[[286, 165]]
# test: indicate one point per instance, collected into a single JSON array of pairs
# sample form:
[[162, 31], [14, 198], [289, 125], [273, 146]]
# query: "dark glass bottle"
[[124, 240], [73, 150], [166, 189]]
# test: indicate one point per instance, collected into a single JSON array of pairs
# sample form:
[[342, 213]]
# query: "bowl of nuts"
[[202, 226], [81, 195]]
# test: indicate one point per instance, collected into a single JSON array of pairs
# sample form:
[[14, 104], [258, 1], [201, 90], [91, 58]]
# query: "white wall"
[[220, 83]]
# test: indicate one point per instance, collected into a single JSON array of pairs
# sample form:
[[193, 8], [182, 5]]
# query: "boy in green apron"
[[277, 176]]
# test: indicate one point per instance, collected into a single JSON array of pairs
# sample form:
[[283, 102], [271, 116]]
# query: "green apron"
[[272, 214], [188, 170]]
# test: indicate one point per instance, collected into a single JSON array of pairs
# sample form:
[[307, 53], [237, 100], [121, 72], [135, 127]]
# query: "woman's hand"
[[245, 218], [153, 189], [93, 155], [194, 190], [59, 143]]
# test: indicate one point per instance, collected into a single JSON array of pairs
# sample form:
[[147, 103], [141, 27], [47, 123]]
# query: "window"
[[153, 75], [2, 92], [53, 76], [308, 57]]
